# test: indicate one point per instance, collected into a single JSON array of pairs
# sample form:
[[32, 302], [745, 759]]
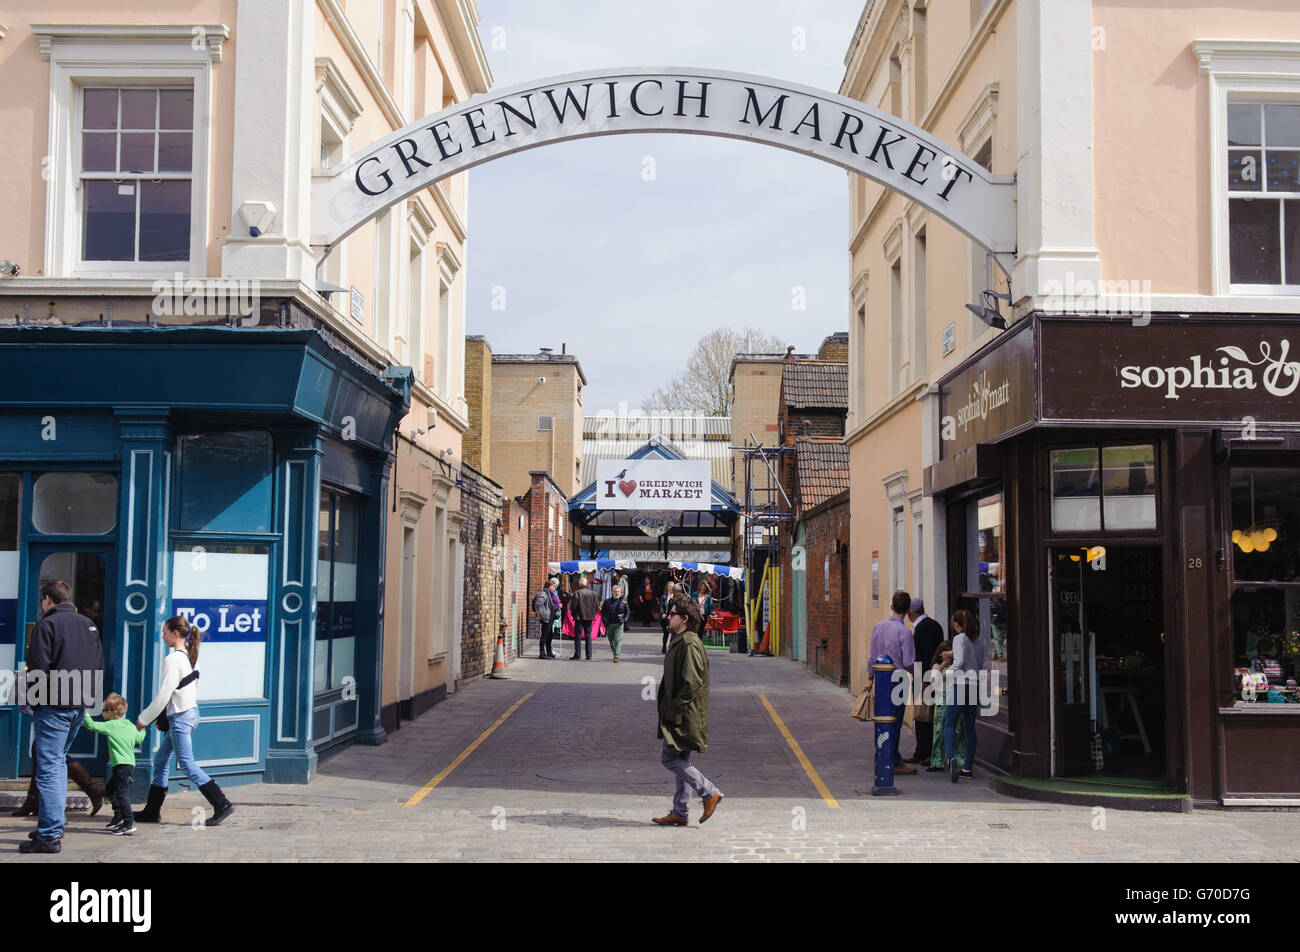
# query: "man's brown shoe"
[[670, 819], [904, 769], [711, 804]]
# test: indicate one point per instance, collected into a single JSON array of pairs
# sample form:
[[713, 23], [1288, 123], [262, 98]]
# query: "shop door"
[[1108, 643], [89, 569]]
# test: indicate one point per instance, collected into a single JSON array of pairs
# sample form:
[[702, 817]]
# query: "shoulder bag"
[[161, 720]]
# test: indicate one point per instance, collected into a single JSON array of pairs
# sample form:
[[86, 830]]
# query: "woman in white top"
[[178, 695], [968, 661]]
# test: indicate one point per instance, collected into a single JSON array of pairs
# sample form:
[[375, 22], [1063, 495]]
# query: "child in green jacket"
[[122, 740]]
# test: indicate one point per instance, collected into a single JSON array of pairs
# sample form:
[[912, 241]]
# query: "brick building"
[[516, 598], [814, 473], [475, 444], [549, 533]]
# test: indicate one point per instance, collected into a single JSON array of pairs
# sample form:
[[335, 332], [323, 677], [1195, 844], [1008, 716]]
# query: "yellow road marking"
[[798, 752], [442, 774]]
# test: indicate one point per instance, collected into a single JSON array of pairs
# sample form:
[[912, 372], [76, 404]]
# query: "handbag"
[[161, 720]]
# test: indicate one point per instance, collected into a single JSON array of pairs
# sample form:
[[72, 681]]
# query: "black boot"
[[32, 805], [152, 812], [221, 807]]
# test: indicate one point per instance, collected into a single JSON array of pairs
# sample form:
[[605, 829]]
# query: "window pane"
[[139, 109], [9, 486], [1265, 524], [137, 152], [164, 221], [225, 483], [343, 629], [176, 109], [99, 151], [224, 592], [109, 222], [1283, 170], [984, 539], [1129, 486], [1282, 125], [175, 151], [75, 503], [1076, 490], [100, 109], [1265, 645], [324, 586], [1253, 241], [1244, 172], [1243, 124]]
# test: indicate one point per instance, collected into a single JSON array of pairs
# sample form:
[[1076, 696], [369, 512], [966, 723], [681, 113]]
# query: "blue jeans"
[[54, 729], [967, 712], [182, 726]]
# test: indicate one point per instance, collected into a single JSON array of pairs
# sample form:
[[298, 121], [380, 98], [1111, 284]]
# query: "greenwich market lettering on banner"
[[821, 121], [983, 398], [1278, 376]]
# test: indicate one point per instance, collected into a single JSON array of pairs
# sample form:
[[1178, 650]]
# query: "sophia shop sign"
[[820, 124]]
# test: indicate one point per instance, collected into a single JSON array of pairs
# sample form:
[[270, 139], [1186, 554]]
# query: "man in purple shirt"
[[892, 637]]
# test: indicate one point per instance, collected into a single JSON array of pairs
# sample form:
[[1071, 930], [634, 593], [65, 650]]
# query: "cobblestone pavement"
[[574, 774]]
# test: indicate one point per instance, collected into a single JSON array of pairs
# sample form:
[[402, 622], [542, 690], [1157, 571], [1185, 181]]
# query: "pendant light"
[[1254, 539]]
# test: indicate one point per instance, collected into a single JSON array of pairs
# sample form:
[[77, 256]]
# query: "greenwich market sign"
[[654, 484], [822, 125]]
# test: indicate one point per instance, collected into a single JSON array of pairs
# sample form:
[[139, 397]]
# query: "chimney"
[[546, 351], [563, 348]]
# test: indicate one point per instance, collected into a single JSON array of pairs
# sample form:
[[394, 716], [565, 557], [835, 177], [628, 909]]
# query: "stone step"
[[14, 792]]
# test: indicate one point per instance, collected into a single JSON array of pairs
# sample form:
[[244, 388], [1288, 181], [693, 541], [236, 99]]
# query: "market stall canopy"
[[590, 565], [727, 570]]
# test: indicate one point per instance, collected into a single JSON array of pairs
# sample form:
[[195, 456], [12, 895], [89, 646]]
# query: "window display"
[[1266, 603]]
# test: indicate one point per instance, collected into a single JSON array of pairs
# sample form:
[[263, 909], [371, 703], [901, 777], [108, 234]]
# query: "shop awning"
[[727, 570], [590, 565]]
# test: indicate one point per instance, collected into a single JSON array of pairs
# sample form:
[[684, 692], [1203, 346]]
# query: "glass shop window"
[[336, 588], [225, 482], [985, 588], [10, 486], [75, 503], [1266, 596], [1107, 488]]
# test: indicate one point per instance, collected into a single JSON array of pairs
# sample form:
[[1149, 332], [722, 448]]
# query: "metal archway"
[[819, 124]]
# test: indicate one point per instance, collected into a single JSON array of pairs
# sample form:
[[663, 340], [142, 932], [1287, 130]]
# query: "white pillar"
[[1054, 138], [273, 150]]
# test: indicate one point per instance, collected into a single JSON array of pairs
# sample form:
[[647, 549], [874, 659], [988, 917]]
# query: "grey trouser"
[[679, 762], [615, 633]]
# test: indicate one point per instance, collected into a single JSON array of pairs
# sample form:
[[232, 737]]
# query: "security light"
[[988, 312]]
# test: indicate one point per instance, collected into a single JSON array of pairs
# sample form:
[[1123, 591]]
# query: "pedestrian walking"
[[546, 605], [65, 674], [963, 701], [123, 738], [891, 638], [926, 636], [176, 708], [665, 606], [614, 613], [586, 606], [684, 713]]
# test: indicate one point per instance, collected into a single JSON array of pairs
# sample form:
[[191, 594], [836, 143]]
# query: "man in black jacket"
[[65, 676], [927, 635], [586, 606]]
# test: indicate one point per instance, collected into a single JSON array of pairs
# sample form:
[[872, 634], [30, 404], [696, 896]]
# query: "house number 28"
[[1193, 563]]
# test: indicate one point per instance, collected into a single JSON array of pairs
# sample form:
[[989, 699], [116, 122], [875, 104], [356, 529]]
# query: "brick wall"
[[835, 348], [476, 444], [483, 537], [827, 615], [518, 446]]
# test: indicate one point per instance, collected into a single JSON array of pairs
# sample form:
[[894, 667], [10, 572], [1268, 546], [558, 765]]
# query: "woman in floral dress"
[[940, 663]]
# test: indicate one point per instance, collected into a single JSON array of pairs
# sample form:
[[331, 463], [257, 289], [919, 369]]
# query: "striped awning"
[[590, 565], [727, 570]]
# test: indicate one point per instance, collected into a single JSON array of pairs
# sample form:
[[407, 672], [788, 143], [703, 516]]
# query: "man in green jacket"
[[684, 712]]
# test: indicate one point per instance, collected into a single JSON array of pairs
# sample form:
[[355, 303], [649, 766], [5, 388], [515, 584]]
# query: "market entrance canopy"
[[819, 124], [708, 569], [591, 565]]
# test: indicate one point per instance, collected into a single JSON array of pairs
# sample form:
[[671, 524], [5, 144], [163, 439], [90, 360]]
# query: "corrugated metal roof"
[[695, 437]]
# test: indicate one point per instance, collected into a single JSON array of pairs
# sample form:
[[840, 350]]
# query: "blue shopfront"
[[238, 477]]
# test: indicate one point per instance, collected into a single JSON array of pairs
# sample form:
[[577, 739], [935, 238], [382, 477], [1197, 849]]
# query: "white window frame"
[[448, 267], [420, 226], [121, 55], [1241, 71], [338, 112]]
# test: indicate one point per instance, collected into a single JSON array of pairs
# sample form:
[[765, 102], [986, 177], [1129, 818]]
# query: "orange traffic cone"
[[764, 646], [499, 663]]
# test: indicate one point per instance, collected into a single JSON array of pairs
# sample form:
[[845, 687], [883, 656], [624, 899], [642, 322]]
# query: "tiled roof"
[[816, 383], [823, 470]]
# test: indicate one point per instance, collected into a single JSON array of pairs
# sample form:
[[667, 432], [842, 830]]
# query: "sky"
[[572, 244]]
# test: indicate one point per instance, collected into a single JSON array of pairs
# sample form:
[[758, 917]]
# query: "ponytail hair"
[[193, 636]]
